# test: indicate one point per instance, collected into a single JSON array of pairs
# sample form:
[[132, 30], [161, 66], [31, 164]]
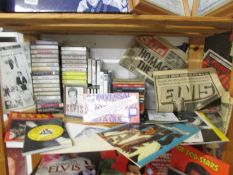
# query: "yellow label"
[[45, 132]]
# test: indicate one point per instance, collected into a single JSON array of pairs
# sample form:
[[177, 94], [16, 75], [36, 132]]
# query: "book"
[[142, 143], [161, 7], [193, 160], [69, 164], [160, 165], [208, 133], [221, 65], [14, 136], [221, 44], [45, 135]]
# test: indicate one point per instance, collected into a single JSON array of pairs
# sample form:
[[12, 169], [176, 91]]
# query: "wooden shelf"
[[123, 24], [114, 24]]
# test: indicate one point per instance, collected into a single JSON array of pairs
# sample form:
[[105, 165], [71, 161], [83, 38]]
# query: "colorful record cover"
[[16, 127], [45, 135], [191, 161], [142, 143], [69, 164]]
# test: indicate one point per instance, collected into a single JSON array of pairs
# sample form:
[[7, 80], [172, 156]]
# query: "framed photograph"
[[74, 100]]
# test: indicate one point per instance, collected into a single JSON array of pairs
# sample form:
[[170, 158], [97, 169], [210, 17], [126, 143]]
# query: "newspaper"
[[149, 53], [16, 83], [187, 90]]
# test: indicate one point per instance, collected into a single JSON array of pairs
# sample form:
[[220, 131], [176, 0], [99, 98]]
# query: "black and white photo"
[[16, 83], [74, 100]]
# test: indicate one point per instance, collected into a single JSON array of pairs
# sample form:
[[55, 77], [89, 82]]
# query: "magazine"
[[142, 143], [193, 160], [14, 136], [16, 83], [208, 133], [45, 135], [69, 164]]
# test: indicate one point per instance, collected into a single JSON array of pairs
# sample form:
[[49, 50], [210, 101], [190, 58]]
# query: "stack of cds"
[[134, 86], [74, 65], [46, 76]]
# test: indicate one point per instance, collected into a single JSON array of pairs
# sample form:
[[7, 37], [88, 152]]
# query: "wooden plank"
[[72, 18], [196, 52], [118, 28], [114, 24]]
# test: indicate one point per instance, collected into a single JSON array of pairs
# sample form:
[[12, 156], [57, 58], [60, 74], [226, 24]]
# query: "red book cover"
[[16, 162], [222, 66], [16, 127], [194, 162]]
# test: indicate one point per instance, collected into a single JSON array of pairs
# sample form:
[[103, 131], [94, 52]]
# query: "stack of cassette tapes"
[[74, 65], [46, 76]]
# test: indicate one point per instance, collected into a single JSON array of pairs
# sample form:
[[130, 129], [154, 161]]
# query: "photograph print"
[[97, 6], [16, 83], [74, 100]]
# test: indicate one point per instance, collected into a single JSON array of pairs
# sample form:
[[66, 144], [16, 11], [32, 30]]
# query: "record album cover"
[[142, 143], [14, 136], [46, 135]]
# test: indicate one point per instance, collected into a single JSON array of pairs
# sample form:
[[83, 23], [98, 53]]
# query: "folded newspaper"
[[187, 90], [149, 53]]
